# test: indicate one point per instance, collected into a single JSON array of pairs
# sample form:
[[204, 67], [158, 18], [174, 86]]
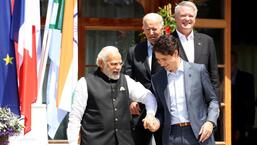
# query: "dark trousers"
[[182, 136], [143, 136]]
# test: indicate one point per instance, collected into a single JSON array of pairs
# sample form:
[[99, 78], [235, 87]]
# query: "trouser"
[[143, 136], [182, 136]]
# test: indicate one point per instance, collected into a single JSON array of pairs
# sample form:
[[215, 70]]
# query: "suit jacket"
[[202, 102], [137, 66], [243, 98], [205, 53]]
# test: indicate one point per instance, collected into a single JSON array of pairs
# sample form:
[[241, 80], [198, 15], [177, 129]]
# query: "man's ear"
[[101, 63], [176, 53], [163, 30], [143, 29]]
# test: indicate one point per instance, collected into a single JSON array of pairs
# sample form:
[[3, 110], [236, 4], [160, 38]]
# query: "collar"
[[180, 68], [149, 45], [182, 36]]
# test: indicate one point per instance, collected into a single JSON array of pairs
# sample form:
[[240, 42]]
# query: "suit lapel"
[[181, 49], [187, 79], [160, 85], [155, 65], [197, 47], [167, 97], [145, 56]]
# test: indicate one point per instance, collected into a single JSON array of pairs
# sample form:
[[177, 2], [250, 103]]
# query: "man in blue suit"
[[188, 107]]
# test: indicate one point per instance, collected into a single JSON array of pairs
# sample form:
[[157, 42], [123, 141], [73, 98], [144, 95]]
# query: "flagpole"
[[44, 53]]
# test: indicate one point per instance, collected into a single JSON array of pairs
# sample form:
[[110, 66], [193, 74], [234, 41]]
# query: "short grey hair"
[[185, 4], [153, 16], [103, 54]]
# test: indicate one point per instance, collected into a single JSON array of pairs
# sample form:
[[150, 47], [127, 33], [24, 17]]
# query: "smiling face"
[[185, 19], [169, 62], [166, 52]]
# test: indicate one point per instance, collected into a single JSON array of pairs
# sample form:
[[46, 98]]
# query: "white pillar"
[[38, 133]]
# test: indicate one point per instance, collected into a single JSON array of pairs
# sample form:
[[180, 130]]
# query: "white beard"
[[111, 76]]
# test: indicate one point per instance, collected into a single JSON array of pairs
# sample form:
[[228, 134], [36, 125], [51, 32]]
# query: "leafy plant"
[[168, 19], [9, 123]]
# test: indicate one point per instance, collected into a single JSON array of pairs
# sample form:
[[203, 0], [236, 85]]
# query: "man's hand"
[[206, 131], [151, 123], [134, 108]]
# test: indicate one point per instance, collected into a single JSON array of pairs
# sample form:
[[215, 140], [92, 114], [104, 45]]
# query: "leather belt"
[[183, 124]]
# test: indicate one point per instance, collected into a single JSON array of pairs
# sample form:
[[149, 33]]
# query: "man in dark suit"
[[243, 103], [140, 64], [184, 91], [193, 46]]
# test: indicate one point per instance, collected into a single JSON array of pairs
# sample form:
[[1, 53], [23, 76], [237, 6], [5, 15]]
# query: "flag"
[[68, 72], [8, 77], [26, 35], [60, 46], [53, 45]]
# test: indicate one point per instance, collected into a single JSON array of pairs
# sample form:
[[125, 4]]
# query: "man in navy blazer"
[[140, 64], [188, 107]]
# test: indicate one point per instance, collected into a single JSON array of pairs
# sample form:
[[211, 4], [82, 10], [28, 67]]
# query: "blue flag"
[[8, 76]]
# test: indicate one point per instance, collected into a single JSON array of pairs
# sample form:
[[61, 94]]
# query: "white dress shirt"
[[188, 45], [137, 92], [178, 107]]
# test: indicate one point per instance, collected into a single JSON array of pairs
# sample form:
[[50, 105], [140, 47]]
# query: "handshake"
[[151, 123]]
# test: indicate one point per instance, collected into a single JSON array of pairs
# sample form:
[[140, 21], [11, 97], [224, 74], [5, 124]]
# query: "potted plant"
[[9, 125]]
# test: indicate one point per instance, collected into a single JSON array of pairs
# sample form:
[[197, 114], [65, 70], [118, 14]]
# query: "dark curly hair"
[[166, 44]]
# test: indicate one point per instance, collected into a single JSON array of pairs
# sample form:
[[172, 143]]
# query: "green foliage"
[[9, 123], [168, 18]]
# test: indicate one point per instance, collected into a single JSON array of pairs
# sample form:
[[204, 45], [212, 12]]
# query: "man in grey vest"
[[100, 112]]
